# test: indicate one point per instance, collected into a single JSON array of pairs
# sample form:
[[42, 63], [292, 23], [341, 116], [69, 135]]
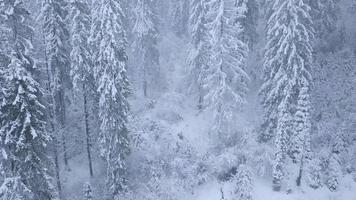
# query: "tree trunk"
[[63, 127], [50, 111], [300, 175], [60, 115], [87, 131], [201, 98], [56, 164], [276, 185], [144, 83], [222, 194]]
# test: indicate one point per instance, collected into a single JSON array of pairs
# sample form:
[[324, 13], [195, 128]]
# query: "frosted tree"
[[56, 36], [23, 137], [4, 58], [87, 192], [226, 80], [179, 12], [333, 174], [325, 14], [146, 33], [108, 34], [243, 184], [300, 150], [330, 36], [81, 64], [14, 189], [314, 175], [200, 53], [287, 79], [249, 21], [4, 41], [281, 141]]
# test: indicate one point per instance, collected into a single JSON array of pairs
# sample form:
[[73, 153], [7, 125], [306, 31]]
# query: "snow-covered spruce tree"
[[146, 33], [333, 173], [284, 126], [330, 34], [81, 63], [341, 141], [56, 34], [243, 184], [287, 79], [87, 192], [226, 80], [4, 49], [325, 16], [314, 175], [249, 22], [4, 39], [23, 137], [300, 141], [108, 34], [179, 12], [200, 53], [14, 188]]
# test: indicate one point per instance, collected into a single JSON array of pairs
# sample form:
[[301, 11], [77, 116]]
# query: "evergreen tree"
[[226, 79], [145, 30], [333, 174], [15, 189], [88, 192], [325, 14], [179, 12], [329, 34], [287, 78], [300, 142], [54, 14], [23, 137], [281, 140], [201, 48], [81, 69], [244, 186], [249, 22], [4, 40], [108, 34], [314, 173], [4, 58]]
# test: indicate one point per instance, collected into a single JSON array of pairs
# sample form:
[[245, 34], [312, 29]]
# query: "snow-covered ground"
[[263, 191]]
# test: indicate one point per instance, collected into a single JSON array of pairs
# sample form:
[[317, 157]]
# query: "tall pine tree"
[[201, 48], [325, 14], [23, 137], [179, 11], [82, 68], [249, 21], [301, 140], [287, 81], [146, 33], [108, 34], [226, 80], [243, 183], [56, 33]]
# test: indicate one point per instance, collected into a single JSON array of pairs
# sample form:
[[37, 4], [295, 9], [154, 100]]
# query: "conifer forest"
[[177, 99]]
